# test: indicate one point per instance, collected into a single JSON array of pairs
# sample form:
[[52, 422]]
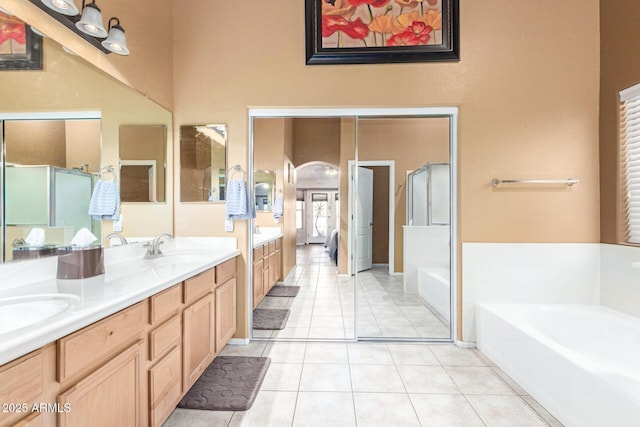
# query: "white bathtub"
[[581, 362], [434, 287]]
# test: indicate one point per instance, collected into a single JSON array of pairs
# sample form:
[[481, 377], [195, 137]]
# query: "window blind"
[[630, 162]]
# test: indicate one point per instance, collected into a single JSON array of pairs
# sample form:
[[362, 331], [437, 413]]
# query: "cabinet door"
[[266, 277], [258, 290], [225, 313], [273, 269], [108, 397], [199, 343], [279, 265]]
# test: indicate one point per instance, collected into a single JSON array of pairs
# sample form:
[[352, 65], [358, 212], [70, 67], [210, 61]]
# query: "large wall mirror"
[[143, 163], [61, 125], [203, 163], [50, 167]]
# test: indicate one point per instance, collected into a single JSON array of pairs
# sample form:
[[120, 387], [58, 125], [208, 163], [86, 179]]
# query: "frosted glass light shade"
[[117, 41], [66, 7], [91, 21]]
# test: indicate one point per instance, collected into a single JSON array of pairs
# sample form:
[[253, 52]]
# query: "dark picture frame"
[[27, 44], [381, 31]]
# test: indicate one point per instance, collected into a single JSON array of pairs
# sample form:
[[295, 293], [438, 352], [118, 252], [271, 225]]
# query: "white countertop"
[[266, 235], [128, 279]]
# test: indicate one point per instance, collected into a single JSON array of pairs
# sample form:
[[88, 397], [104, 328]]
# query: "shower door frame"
[[419, 112]]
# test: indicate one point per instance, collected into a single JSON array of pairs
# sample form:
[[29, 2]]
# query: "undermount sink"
[[180, 257], [20, 312]]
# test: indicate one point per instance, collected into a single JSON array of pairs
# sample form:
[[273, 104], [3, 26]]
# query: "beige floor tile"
[[376, 379], [399, 331], [484, 357], [412, 354], [253, 349], [433, 331], [282, 377], [271, 408], [511, 383], [325, 377], [326, 333], [299, 321], [333, 310], [505, 411], [450, 355], [260, 333], [375, 354], [326, 353], [478, 380], [542, 412], [327, 322], [427, 379], [299, 333], [194, 418], [318, 409], [441, 410], [285, 352], [384, 410]]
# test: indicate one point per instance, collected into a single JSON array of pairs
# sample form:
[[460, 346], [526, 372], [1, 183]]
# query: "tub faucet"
[[153, 248], [123, 240]]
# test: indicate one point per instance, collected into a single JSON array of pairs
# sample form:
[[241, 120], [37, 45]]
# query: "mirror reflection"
[[142, 163], [264, 183], [203, 163], [49, 177]]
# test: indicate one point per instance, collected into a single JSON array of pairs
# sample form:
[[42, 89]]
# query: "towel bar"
[[496, 182]]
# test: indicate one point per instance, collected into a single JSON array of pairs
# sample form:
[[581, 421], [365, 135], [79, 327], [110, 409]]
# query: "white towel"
[[237, 202], [105, 201], [278, 208]]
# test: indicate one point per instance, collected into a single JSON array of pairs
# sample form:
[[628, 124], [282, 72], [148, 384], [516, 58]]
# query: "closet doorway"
[[375, 304]]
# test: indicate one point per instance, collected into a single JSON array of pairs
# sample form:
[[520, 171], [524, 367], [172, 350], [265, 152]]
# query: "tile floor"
[[365, 384], [325, 305]]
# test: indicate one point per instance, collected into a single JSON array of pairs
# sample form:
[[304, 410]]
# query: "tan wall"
[[147, 25], [316, 139], [36, 142], [70, 84], [289, 196], [83, 143], [526, 86], [619, 70]]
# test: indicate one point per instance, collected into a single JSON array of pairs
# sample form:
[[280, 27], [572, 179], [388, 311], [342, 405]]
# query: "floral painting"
[[20, 48], [377, 31]]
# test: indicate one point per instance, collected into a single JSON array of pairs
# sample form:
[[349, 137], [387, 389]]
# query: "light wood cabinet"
[[165, 387], [108, 397], [225, 313], [198, 339], [258, 290], [165, 304], [164, 337], [36, 419]]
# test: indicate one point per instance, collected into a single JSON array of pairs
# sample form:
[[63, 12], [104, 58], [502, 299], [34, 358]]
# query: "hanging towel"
[[105, 201], [278, 208], [237, 202]]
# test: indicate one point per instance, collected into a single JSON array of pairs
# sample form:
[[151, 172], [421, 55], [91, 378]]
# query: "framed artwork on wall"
[[20, 47], [381, 31]]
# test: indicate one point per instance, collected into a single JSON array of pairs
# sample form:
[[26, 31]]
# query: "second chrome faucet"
[[153, 248]]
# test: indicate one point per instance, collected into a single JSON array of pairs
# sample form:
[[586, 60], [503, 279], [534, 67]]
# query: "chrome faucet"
[[256, 229], [153, 248], [123, 240]]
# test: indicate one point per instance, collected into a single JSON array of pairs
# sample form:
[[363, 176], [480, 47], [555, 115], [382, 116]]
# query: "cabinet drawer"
[[225, 271], [258, 253], [278, 244], [164, 386], [93, 344], [199, 285], [21, 381], [165, 304], [164, 337], [272, 247]]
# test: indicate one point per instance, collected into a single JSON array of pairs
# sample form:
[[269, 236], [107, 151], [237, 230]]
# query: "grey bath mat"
[[230, 383], [270, 318], [284, 291]]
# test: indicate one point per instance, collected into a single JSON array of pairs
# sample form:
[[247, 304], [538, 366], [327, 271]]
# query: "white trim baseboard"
[[239, 341]]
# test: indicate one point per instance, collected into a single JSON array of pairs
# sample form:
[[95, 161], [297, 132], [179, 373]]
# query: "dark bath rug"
[[230, 383], [284, 291], [270, 318]]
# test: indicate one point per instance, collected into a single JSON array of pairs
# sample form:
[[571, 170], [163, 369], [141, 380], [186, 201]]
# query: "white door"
[[364, 222], [319, 213]]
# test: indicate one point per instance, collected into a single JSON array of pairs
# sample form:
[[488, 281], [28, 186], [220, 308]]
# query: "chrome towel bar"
[[496, 182]]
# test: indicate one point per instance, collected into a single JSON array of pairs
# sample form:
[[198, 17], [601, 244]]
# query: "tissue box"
[[33, 252], [80, 262]]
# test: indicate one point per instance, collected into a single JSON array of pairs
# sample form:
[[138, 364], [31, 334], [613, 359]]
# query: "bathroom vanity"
[[267, 263], [131, 343]]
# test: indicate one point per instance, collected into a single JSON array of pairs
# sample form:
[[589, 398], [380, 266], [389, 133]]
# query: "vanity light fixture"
[[116, 42], [91, 21], [66, 7]]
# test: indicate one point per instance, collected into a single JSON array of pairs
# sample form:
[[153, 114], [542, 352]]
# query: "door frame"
[[309, 112], [391, 164]]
